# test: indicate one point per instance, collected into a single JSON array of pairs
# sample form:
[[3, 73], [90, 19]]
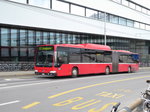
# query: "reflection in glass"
[[4, 52], [122, 21], [14, 51], [77, 10], [23, 51], [20, 1], [14, 38], [91, 13], [60, 6], [52, 38], [40, 3], [114, 19], [136, 24], [5, 37], [31, 38], [38, 38], [45, 38], [23, 38], [31, 51], [130, 23]]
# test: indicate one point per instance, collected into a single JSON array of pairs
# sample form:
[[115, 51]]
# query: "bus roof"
[[85, 46], [124, 51]]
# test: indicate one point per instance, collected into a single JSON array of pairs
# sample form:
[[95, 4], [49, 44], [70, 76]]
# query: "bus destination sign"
[[47, 48]]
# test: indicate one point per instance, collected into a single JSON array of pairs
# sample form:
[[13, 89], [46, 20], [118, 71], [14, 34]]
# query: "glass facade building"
[[18, 42]]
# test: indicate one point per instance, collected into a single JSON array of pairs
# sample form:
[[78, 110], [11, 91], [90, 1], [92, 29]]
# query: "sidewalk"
[[16, 73], [31, 73]]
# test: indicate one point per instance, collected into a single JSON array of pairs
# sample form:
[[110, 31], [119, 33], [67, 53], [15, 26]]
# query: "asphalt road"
[[92, 93]]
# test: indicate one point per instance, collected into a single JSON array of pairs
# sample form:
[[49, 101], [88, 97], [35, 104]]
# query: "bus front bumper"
[[51, 74]]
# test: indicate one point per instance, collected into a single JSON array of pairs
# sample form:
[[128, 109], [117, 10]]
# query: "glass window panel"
[[114, 19], [69, 38], [40, 3], [119, 1], [148, 27], [45, 38], [23, 52], [63, 38], [91, 13], [74, 39], [38, 38], [77, 10], [101, 16], [136, 24], [122, 21], [107, 17], [14, 51], [138, 8], [130, 23], [142, 26], [52, 38], [125, 2], [144, 10], [60, 6], [14, 38], [132, 5], [31, 38], [20, 1], [148, 12], [31, 51], [23, 38], [58, 38], [5, 37], [4, 52]]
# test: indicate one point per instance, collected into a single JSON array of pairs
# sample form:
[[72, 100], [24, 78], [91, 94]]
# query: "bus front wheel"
[[107, 71], [74, 72]]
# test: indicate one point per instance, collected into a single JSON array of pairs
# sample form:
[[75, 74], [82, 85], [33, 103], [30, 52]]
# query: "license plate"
[[43, 74]]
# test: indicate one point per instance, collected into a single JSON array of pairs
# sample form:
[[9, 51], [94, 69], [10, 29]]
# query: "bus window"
[[107, 56], [135, 58], [100, 56], [93, 56], [62, 56], [85, 56], [75, 55]]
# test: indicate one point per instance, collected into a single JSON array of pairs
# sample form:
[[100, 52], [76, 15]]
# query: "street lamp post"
[[105, 37]]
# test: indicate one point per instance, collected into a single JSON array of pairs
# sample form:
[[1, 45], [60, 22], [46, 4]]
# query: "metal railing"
[[20, 66]]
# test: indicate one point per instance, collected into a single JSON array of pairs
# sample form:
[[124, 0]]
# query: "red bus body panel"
[[87, 68]]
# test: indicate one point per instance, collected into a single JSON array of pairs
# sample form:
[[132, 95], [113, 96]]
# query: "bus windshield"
[[45, 56]]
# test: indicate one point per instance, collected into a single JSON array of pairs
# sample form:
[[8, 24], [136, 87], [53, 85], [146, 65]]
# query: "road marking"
[[50, 82], [3, 84], [99, 84], [31, 105], [7, 103]]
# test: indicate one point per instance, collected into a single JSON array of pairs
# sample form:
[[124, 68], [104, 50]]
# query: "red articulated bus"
[[73, 60]]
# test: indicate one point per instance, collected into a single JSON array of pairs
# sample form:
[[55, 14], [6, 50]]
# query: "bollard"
[[132, 106]]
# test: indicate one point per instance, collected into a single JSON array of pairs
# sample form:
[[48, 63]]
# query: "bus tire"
[[129, 70], [107, 71], [74, 72]]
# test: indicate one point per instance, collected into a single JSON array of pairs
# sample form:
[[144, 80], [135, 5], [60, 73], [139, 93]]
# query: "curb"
[[16, 73]]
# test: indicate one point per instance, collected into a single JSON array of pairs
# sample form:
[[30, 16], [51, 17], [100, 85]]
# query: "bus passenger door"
[[115, 61]]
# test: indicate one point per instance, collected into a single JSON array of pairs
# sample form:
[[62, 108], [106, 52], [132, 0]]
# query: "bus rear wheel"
[[74, 72], [107, 71]]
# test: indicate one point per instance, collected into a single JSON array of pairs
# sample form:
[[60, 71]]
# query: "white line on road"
[[65, 80], [3, 84], [7, 103]]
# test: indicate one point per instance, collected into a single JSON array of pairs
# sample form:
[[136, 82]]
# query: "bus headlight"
[[52, 71], [36, 71]]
